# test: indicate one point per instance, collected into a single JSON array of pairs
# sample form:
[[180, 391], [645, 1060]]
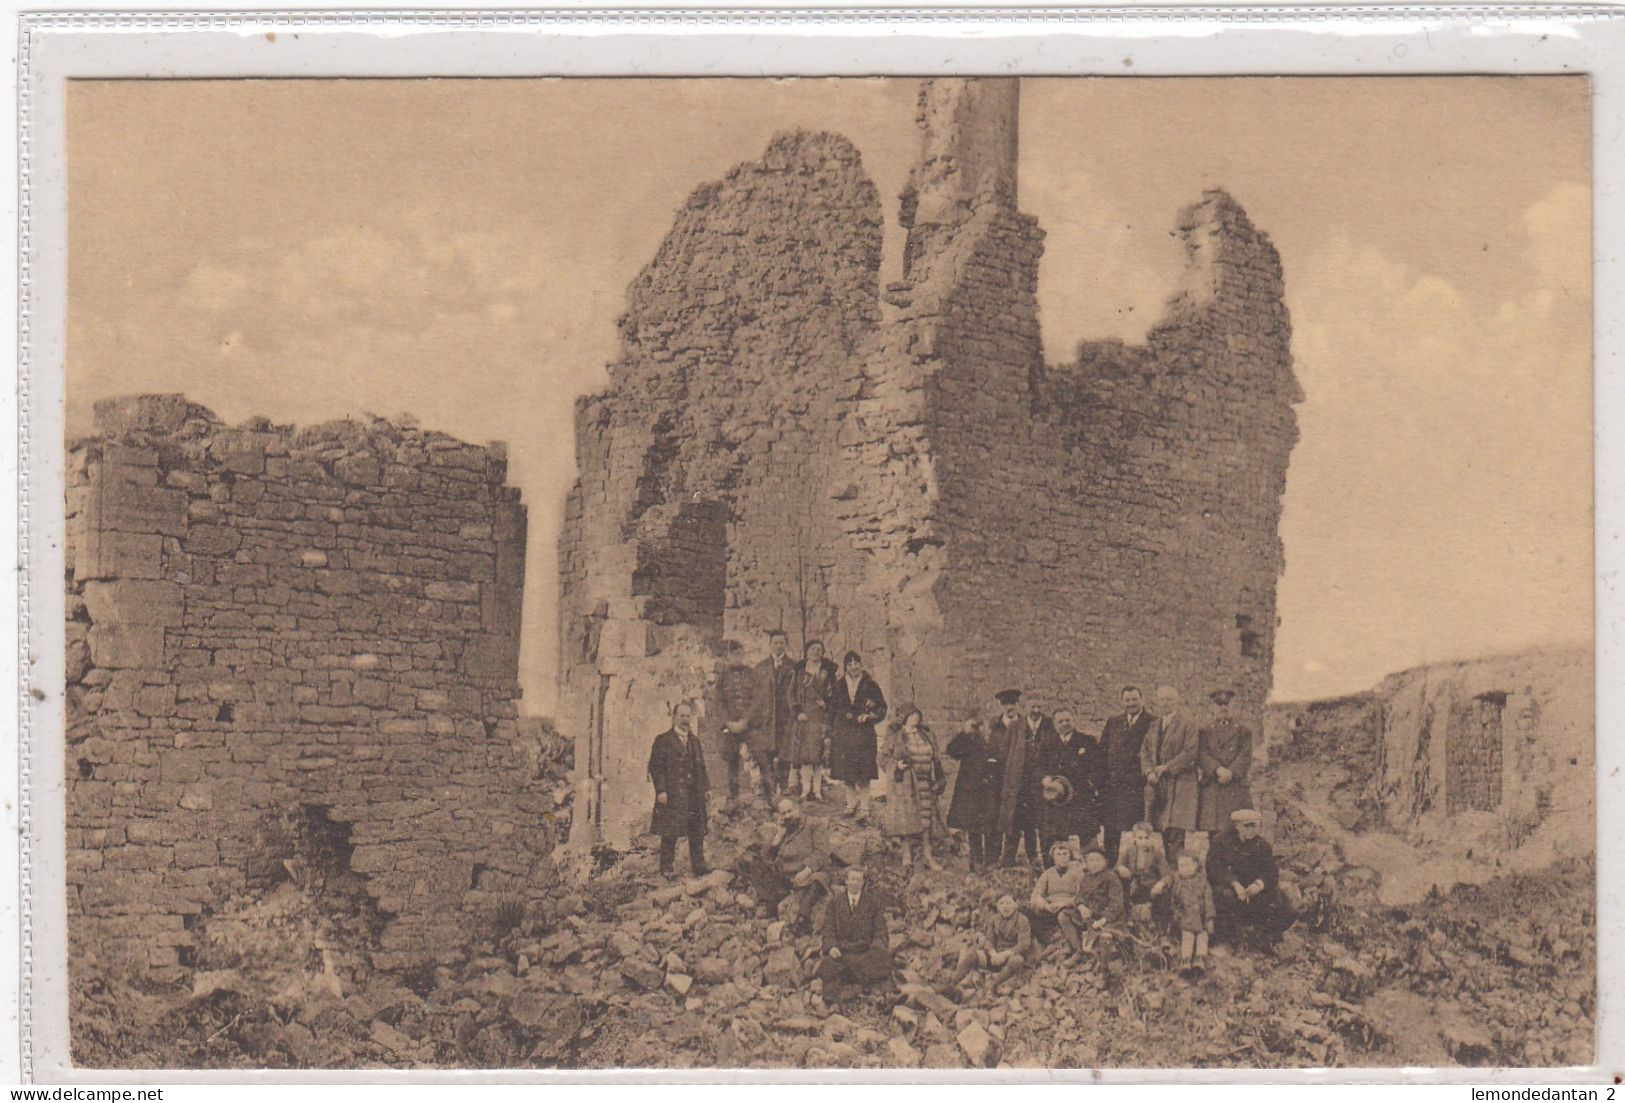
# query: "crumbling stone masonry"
[[1488, 757], [263, 621], [785, 445]]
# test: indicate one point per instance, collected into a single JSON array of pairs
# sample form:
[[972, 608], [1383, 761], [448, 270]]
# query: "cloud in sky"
[[459, 251], [1469, 496]]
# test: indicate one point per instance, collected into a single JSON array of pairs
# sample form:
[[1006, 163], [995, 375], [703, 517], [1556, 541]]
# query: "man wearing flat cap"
[[1226, 759], [1021, 790], [1247, 900]]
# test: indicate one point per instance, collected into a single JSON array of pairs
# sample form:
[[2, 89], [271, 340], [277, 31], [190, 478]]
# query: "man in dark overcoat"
[[857, 707], [1123, 791], [1065, 751], [974, 808], [1227, 761], [777, 673], [1021, 791], [677, 769], [1247, 899], [857, 946]]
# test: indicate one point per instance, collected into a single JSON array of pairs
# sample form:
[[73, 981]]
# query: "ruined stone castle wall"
[[701, 510], [1117, 520], [265, 622], [1503, 746], [911, 480]]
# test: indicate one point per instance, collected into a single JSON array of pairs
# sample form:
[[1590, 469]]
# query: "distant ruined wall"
[[1506, 745], [263, 621], [902, 473], [1486, 756]]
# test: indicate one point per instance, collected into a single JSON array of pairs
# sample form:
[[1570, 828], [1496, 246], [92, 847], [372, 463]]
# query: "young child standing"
[[1193, 911]]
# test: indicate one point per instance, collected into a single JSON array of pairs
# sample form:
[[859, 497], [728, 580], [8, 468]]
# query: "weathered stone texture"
[[705, 468], [1510, 739], [262, 620], [1487, 761], [918, 484], [1118, 522]]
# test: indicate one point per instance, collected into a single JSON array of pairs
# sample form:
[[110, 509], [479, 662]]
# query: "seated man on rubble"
[[857, 946], [1004, 942], [1142, 865], [1247, 901], [1054, 902], [1100, 906], [787, 874]]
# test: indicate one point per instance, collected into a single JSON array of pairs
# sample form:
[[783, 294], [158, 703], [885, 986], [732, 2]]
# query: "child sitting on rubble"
[[1005, 943], [1193, 912], [1143, 867], [1054, 902], [1100, 906]]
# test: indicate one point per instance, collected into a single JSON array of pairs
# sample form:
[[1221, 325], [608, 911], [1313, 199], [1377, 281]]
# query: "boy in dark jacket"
[[1100, 904], [1005, 943]]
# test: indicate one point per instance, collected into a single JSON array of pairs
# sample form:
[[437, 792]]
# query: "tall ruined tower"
[[774, 452]]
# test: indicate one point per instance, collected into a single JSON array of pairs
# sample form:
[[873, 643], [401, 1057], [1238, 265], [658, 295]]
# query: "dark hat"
[[1222, 696], [1007, 696]]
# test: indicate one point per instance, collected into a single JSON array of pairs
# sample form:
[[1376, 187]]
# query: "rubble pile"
[[631, 970]]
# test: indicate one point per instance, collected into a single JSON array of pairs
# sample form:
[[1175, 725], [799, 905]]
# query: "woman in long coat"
[[812, 692], [916, 773], [975, 805], [854, 744]]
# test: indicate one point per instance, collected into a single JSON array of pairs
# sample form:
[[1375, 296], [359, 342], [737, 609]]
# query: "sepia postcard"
[[856, 573]]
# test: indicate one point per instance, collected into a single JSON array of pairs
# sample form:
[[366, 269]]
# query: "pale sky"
[[459, 250]]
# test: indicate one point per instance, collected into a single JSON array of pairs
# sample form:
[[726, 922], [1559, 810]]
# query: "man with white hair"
[[1168, 757]]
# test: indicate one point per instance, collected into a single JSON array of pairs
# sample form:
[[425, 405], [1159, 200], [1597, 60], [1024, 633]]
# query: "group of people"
[[802, 723], [1112, 825]]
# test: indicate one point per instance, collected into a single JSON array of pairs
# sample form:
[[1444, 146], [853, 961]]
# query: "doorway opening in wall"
[[1474, 753]]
